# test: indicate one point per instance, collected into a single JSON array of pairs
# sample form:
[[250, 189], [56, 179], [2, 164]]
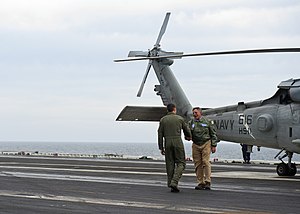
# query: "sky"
[[58, 81]]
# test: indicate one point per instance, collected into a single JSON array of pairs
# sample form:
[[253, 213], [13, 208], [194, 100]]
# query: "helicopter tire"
[[292, 170], [282, 169]]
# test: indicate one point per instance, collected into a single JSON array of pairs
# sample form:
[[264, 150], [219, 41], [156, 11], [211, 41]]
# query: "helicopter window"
[[285, 99], [295, 94], [281, 99]]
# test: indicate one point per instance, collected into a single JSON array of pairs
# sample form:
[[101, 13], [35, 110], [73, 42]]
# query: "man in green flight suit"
[[204, 141], [171, 145]]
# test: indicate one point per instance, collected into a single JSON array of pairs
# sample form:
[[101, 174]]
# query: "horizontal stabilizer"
[[142, 113]]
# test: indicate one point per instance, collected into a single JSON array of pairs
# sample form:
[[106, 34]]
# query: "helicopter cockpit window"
[[292, 86], [295, 91]]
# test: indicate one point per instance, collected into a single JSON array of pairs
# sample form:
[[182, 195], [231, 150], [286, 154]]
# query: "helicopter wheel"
[[292, 170], [284, 170]]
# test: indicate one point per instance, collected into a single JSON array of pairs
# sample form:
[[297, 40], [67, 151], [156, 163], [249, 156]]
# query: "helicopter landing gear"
[[286, 169]]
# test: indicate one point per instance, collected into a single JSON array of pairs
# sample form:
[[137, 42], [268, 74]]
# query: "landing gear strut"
[[286, 169]]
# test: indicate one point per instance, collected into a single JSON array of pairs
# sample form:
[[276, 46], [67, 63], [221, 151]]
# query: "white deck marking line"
[[230, 174], [123, 203], [143, 182]]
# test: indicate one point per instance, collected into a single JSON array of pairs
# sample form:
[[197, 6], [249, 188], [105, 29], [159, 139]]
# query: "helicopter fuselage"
[[272, 125]]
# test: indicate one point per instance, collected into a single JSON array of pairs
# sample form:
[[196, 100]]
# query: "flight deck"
[[92, 185]]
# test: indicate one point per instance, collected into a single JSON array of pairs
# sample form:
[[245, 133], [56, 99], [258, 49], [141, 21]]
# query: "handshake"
[[187, 138]]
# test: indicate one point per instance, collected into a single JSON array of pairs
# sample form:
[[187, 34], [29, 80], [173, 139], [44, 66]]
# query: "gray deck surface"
[[58, 185]]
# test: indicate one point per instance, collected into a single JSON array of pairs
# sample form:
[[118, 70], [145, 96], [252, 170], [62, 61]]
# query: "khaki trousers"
[[201, 158]]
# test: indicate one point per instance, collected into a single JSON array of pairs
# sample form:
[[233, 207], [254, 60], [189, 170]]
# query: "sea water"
[[225, 151]]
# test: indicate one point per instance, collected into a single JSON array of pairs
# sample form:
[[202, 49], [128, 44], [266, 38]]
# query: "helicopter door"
[[288, 133], [295, 129]]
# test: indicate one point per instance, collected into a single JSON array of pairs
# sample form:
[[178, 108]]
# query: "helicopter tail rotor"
[[138, 53], [153, 52], [144, 79], [156, 53], [162, 29]]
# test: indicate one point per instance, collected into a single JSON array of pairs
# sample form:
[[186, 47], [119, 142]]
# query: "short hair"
[[171, 107], [197, 108]]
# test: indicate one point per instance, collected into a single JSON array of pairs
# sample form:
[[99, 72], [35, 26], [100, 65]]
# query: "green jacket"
[[203, 130], [170, 126]]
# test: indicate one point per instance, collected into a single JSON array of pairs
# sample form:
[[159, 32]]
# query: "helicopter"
[[272, 123]]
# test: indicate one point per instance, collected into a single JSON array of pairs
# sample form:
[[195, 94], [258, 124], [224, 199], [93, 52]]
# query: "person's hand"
[[213, 149], [162, 152]]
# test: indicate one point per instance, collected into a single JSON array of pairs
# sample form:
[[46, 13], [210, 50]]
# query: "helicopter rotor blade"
[[138, 53], [144, 80], [162, 29], [132, 59], [250, 51]]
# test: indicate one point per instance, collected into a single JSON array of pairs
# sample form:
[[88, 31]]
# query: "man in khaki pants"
[[204, 141]]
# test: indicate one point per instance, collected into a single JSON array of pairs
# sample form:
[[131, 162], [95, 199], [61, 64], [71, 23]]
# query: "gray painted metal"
[[142, 113]]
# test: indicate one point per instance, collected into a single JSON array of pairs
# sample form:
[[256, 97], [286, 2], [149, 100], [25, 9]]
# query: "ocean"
[[225, 151]]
